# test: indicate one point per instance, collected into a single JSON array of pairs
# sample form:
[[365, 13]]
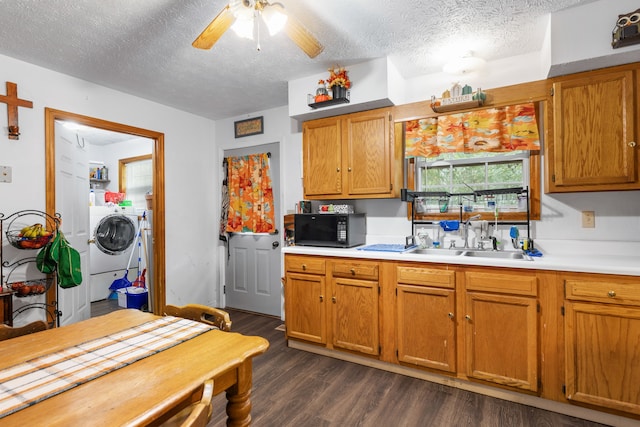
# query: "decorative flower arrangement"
[[338, 77]]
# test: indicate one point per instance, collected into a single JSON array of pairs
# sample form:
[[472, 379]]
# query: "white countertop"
[[584, 263]]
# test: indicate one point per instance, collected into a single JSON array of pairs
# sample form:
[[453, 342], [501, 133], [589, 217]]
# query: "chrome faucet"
[[465, 227]]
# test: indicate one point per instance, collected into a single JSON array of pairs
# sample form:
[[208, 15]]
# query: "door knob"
[[275, 244]]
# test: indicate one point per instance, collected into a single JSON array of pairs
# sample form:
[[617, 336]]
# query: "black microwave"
[[330, 229]]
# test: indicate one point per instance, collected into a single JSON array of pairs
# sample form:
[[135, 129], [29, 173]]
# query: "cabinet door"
[[603, 355], [501, 339], [369, 153], [594, 133], [305, 316], [322, 157], [355, 315], [426, 327]]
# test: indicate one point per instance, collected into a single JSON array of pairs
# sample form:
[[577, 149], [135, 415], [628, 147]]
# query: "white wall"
[[189, 147], [581, 37]]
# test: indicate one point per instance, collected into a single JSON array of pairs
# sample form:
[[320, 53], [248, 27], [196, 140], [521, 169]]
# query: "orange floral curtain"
[[494, 129], [250, 195]]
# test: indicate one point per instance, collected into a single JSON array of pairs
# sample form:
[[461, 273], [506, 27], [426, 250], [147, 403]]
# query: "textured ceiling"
[[143, 47]]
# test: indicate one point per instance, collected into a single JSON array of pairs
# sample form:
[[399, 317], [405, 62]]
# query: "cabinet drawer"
[[361, 270], [605, 290], [503, 283], [305, 264], [425, 276]]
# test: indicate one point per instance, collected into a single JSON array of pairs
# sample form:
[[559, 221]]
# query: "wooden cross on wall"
[[13, 102]]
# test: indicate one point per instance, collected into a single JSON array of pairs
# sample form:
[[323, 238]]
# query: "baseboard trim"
[[525, 399]]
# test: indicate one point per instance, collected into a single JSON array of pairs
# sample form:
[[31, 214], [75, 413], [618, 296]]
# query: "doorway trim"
[[158, 232]]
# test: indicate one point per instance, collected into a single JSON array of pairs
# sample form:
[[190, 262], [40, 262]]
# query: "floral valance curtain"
[[495, 129], [250, 194]]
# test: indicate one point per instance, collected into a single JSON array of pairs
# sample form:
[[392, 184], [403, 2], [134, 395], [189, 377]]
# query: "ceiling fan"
[[242, 16]]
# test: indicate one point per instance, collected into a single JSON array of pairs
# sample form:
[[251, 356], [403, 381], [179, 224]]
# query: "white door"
[[72, 202], [252, 274]]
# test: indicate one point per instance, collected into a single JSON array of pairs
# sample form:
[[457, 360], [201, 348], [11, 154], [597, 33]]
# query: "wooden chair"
[[196, 415], [201, 313], [8, 332]]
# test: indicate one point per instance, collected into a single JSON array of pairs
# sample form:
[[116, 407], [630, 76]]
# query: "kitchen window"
[[460, 173]]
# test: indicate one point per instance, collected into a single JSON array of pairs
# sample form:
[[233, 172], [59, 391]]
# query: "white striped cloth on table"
[[45, 376]]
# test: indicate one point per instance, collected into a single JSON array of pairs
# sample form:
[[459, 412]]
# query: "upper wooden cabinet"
[[353, 156], [593, 145]]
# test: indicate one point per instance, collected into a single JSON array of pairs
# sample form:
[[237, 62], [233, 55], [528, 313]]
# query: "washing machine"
[[113, 236]]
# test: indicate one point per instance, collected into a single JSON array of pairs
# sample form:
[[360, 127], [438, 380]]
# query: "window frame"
[[122, 170], [534, 195]]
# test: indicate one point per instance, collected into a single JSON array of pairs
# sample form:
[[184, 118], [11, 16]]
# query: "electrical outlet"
[[588, 219], [5, 173]]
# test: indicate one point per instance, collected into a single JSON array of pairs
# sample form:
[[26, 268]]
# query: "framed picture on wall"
[[248, 127]]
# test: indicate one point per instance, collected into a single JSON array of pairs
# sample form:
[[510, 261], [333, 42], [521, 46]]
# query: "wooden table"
[[147, 391]]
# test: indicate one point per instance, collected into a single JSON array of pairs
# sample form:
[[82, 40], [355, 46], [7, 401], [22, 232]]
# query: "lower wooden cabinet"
[[333, 302], [602, 341], [354, 306], [501, 328], [577, 333], [425, 320], [305, 313]]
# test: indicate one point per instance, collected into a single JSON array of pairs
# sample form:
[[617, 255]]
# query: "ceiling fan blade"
[[301, 36], [215, 29]]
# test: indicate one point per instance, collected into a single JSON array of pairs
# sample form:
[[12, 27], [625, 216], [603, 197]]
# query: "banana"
[[32, 231]]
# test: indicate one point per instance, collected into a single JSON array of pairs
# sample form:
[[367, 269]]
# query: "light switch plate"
[[5, 173]]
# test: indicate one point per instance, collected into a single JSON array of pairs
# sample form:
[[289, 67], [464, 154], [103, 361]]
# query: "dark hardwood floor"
[[99, 308], [299, 389]]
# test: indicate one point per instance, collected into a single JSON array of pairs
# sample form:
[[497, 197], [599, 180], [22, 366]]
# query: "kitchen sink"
[[445, 252], [472, 253], [494, 254]]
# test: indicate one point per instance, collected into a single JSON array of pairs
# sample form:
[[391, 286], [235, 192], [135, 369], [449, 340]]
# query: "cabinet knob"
[[304, 266], [632, 144], [333, 300], [611, 294], [353, 271], [468, 317], [348, 169], [337, 169], [451, 315], [321, 298]]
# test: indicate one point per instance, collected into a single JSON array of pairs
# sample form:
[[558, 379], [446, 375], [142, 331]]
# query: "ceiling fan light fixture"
[[243, 28], [464, 64], [274, 19]]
